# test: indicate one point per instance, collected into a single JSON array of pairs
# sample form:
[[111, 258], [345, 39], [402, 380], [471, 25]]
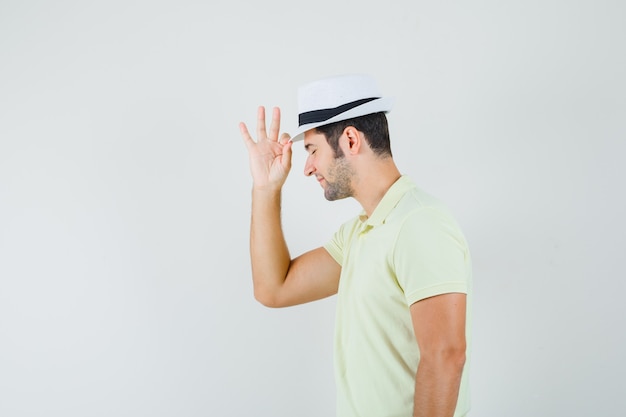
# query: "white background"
[[125, 283]]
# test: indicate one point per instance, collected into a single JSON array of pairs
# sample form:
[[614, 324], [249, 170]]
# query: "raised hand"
[[270, 156]]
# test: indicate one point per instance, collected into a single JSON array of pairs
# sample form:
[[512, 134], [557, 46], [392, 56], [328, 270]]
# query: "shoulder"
[[422, 217], [418, 206]]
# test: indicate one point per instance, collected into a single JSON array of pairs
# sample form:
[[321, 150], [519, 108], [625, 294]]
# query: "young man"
[[401, 268]]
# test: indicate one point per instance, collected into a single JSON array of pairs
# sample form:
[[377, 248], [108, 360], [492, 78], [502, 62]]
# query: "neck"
[[373, 181]]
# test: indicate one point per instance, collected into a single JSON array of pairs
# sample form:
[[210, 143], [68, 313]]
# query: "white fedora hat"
[[335, 99]]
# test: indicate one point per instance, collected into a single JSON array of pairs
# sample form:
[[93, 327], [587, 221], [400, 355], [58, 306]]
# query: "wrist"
[[268, 189]]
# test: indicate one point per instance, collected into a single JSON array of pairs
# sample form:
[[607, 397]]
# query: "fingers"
[[247, 139], [261, 133], [285, 159], [284, 138], [261, 129], [275, 125]]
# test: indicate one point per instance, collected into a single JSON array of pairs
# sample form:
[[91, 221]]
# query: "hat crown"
[[333, 92]]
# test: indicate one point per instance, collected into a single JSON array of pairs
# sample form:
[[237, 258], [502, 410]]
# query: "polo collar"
[[388, 202]]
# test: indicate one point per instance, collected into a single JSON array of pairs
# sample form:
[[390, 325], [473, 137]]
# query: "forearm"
[[437, 387], [268, 250]]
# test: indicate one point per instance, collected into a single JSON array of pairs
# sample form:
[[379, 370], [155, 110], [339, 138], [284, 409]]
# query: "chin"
[[335, 197]]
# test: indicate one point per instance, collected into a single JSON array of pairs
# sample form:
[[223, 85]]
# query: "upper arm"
[[439, 324], [311, 276]]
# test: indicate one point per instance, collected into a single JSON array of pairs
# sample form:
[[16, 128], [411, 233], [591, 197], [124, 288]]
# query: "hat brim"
[[383, 104]]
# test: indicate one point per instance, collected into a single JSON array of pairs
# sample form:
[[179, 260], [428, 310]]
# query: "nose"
[[308, 167]]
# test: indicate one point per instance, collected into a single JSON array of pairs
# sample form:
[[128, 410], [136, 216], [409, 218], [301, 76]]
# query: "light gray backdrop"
[[125, 192]]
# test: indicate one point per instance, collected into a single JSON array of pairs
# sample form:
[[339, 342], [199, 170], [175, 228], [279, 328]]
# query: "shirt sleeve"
[[430, 255], [335, 246], [340, 241]]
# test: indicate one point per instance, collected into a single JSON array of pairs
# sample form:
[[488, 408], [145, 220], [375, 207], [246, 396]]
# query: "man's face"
[[333, 173]]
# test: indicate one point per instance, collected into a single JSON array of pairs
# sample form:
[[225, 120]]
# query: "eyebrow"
[[307, 146]]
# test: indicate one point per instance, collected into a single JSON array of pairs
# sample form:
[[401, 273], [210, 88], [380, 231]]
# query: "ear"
[[353, 140]]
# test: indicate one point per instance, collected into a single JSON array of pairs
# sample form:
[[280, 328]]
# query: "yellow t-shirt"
[[409, 249]]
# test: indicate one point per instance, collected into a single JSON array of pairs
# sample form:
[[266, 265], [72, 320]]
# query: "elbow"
[[269, 290], [457, 354], [458, 359], [449, 356], [267, 299]]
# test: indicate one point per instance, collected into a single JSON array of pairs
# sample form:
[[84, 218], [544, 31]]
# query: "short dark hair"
[[374, 127]]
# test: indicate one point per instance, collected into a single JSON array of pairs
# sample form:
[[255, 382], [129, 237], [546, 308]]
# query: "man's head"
[[343, 123]]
